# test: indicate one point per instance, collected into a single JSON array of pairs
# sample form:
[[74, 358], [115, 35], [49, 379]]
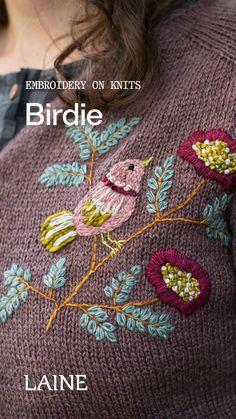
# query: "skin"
[[30, 39]]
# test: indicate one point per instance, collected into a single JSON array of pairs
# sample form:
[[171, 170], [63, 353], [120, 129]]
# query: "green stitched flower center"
[[216, 155], [182, 283]]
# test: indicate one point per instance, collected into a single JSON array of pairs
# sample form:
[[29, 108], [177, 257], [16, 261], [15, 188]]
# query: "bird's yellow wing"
[[93, 217]]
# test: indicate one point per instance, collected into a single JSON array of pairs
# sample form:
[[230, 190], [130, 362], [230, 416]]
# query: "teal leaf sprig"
[[159, 186], [56, 277], [131, 315], [115, 132], [145, 320], [215, 221], [17, 292], [89, 139], [121, 288], [95, 321], [64, 175], [82, 136], [18, 282]]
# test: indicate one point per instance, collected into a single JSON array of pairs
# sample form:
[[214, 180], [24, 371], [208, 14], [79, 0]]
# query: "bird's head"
[[128, 174]]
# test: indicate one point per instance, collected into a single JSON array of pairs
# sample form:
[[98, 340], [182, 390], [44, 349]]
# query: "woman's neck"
[[30, 39]]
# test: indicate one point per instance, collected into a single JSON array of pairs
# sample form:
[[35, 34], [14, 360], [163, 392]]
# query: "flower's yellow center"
[[182, 283], [216, 155]]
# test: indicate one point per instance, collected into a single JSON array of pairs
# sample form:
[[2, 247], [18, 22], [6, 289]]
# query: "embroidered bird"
[[105, 207]]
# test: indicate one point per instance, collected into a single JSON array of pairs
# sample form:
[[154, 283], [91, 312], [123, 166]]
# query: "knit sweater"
[[142, 300]]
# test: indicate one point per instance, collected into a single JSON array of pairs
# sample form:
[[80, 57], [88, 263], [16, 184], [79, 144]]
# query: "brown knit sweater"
[[149, 320]]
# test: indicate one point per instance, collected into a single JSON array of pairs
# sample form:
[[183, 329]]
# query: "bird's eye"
[[131, 167]]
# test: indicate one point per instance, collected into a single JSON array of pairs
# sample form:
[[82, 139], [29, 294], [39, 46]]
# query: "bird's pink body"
[[115, 195], [109, 203]]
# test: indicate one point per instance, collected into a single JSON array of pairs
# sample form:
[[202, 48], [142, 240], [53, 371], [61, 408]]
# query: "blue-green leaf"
[[121, 319], [115, 132], [65, 175], [145, 319], [214, 216], [152, 183], [84, 319], [123, 285], [56, 276], [17, 292], [151, 209], [161, 185], [95, 320]]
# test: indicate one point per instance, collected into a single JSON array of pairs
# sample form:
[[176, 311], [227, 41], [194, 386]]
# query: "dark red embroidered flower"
[[179, 281], [213, 154]]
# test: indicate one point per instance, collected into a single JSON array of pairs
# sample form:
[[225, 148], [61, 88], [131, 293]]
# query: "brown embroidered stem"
[[36, 291], [157, 220], [186, 201], [184, 220], [90, 177], [14, 296], [76, 175], [119, 289], [77, 288], [157, 196], [118, 309], [114, 307], [92, 317], [94, 258]]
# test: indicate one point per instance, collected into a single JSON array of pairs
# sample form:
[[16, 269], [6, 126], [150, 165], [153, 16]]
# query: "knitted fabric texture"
[[191, 374]]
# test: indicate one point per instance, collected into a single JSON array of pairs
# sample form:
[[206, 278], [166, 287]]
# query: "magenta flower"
[[213, 154], [179, 281]]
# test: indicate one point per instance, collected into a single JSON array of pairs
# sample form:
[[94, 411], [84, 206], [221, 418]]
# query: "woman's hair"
[[118, 37]]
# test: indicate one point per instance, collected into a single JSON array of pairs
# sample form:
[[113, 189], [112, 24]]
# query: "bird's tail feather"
[[58, 230]]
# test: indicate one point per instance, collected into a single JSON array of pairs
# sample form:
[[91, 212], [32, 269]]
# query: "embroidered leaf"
[[161, 185], [87, 138], [121, 288], [145, 319], [113, 134], [56, 275], [152, 183], [65, 175], [82, 137], [95, 321], [214, 217], [17, 292], [151, 197]]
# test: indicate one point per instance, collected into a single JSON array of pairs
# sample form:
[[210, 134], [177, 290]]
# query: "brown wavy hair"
[[119, 38]]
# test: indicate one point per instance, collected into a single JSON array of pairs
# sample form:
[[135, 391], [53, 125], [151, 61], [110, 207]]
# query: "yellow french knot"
[[216, 155], [182, 283]]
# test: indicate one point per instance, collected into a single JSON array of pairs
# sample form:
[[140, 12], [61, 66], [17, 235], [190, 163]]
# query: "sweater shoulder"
[[210, 24]]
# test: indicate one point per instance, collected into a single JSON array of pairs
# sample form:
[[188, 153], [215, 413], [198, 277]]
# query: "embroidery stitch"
[[178, 280], [214, 218], [65, 175], [213, 154], [102, 210], [95, 318], [161, 185], [89, 139]]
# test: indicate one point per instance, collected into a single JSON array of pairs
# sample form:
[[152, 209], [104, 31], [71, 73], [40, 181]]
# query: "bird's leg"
[[107, 244], [119, 243]]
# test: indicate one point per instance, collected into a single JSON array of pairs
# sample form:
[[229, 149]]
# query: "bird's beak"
[[147, 161]]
